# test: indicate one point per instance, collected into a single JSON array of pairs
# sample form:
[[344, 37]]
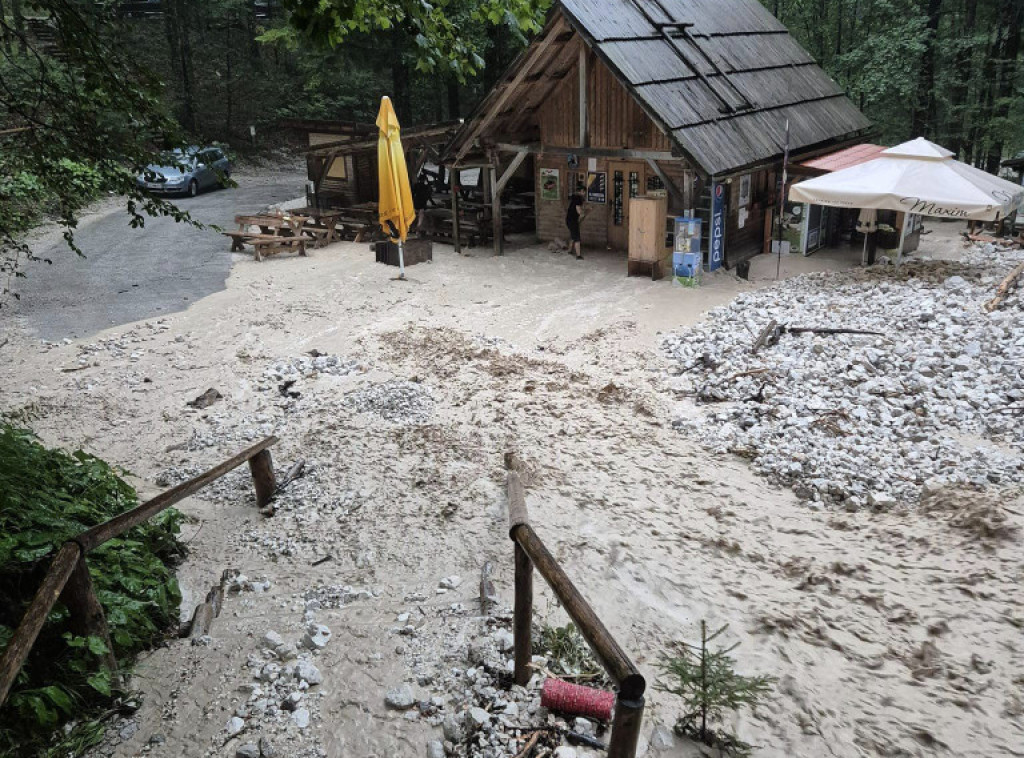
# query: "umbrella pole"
[[401, 259], [903, 237]]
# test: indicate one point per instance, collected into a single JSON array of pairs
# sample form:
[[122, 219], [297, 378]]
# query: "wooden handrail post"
[[522, 623], [629, 715], [262, 467], [25, 635], [87, 617]]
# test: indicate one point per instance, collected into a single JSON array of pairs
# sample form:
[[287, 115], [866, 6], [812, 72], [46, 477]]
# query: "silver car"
[[198, 169]]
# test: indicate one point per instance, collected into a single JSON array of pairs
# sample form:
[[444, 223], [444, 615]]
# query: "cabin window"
[[338, 170], [634, 183], [617, 208]]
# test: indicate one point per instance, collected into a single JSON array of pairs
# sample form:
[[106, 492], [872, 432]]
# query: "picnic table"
[[277, 232], [321, 224]]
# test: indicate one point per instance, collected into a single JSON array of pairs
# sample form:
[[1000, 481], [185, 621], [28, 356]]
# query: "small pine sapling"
[[709, 686]]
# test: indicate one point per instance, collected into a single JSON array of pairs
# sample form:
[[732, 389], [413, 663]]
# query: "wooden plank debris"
[[1005, 288]]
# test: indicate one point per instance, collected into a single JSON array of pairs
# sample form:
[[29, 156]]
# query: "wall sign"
[[549, 184], [717, 252], [744, 191], [597, 187]]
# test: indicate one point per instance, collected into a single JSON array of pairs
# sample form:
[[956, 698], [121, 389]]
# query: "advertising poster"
[[549, 184], [597, 187], [717, 252], [744, 191]]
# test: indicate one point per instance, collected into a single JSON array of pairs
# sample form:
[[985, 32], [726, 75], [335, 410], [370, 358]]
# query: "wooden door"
[[626, 179]]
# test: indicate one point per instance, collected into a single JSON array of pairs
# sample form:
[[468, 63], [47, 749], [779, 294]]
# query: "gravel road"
[[130, 274]]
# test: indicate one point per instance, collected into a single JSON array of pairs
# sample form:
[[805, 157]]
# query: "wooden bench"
[[272, 243]]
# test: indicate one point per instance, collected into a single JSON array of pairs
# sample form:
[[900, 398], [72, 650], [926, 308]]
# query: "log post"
[[522, 622], [25, 635], [626, 723], [497, 225], [262, 467], [87, 617], [453, 182]]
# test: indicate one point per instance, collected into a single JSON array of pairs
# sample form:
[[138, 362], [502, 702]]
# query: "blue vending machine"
[[687, 258]]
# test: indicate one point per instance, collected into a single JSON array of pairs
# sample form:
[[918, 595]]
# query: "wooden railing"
[[68, 576], [531, 553]]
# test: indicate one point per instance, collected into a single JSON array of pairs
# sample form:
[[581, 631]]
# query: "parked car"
[[198, 169]]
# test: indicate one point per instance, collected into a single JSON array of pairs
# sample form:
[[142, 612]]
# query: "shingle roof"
[[721, 77]]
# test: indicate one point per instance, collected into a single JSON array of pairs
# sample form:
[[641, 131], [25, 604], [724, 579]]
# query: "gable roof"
[[719, 77]]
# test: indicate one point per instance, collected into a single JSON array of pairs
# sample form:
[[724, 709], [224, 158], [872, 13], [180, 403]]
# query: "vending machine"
[[687, 258]]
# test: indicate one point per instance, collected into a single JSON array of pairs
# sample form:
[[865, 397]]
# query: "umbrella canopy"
[[917, 177], [395, 204]]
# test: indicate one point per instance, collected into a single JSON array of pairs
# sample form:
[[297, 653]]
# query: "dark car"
[[197, 169]]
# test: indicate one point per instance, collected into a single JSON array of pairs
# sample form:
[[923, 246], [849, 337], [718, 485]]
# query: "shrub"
[[708, 684], [46, 497]]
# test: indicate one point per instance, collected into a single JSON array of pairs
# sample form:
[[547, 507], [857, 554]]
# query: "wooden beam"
[[510, 171], [497, 228], [669, 184], [25, 635], [86, 614], [488, 116], [589, 152], [453, 184], [120, 524], [582, 65]]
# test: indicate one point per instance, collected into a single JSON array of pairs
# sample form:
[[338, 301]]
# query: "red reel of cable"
[[576, 699]]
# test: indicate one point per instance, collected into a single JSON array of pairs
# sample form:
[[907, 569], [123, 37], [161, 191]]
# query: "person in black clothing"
[[573, 217], [421, 195]]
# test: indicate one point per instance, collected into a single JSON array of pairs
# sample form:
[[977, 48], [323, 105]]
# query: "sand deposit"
[[895, 632]]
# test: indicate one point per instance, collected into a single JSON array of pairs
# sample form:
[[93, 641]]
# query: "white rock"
[[477, 717], [249, 750], [564, 751], [435, 749], [234, 726], [400, 698], [301, 718], [308, 673]]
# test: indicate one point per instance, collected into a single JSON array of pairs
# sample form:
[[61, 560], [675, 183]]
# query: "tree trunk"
[[959, 116], [922, 123], [454, 106], [4, 36], [1011, 19], [400, 78], [187, 88], [228, 94], [494, 58]]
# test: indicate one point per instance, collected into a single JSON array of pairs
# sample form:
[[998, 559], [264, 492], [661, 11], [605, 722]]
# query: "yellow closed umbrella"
[[395, 204]]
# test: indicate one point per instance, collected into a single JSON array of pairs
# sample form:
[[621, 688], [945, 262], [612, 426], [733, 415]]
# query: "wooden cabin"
[[341, 162], [634, 98]]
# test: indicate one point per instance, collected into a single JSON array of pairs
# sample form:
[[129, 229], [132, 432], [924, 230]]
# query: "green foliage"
[[569, 656], [437, 29], [709, 686], [79, 117], [46, 497]]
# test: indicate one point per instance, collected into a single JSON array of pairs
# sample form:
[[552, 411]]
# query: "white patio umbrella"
[[917, 177]]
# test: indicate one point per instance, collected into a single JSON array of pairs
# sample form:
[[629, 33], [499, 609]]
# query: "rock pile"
[[307, 367], [865, 420], [396, 401]]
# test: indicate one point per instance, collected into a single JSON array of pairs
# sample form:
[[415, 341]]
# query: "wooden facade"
[[641, 103]]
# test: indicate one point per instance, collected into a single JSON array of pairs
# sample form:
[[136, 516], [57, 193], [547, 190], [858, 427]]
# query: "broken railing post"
[[523, 616], [522, 622], [262, 467], [530, 552], [86, 613], [626, 723], [68, 576], [25, 635]]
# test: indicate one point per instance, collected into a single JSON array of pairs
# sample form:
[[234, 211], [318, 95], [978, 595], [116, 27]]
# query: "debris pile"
[[397, 401], [307, 367], [858, 419]]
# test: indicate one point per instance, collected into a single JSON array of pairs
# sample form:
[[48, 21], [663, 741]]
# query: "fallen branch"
[[1005, 288], [488, 597], [763, 337]]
